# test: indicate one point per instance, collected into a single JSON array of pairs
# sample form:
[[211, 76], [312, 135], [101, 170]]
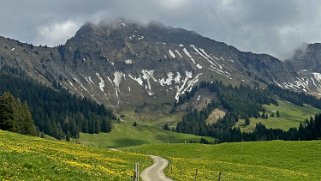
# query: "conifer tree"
[[15, 116]]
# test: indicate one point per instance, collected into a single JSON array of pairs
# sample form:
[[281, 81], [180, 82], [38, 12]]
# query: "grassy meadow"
[[32, 158], [271, 160], [125, 134], [290, 116]]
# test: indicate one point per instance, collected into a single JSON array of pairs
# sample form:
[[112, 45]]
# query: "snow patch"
[[128, 61], [171, 53], [89, 80], [168, 80], [117, 81], [189, 74], [215, 57], [209, 58], [108, 78], [165, 56], [101, 83], [317, 76], [189, 55], [314, 82], [162, 81], [179, 53], [224, 73], [75, 89], [177, 78], [187, 85], [138, 80], [199, 66], [63, 86], [147, 75], [12, 49], [81, 85]]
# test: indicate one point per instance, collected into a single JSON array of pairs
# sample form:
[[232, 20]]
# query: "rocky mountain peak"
[[125, 63], [307, 58]]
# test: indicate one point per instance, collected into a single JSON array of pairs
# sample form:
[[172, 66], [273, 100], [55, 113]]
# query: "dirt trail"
[[156, 171]]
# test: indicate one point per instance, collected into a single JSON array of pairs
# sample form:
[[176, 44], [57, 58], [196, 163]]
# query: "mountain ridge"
[[126, 64]]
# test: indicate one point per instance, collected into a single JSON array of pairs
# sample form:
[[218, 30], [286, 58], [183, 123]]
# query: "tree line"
[[308, 130], [15, 115], [239, 102], [56, 112]]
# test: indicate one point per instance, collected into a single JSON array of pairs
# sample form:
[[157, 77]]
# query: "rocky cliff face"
[[125, 64], [307, 62]]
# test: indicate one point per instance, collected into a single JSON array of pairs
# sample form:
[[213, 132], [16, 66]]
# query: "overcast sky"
[[276, 27]]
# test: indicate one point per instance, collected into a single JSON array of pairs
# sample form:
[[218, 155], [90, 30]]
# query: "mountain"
[[54, 112], [307, 62], [125, 64]]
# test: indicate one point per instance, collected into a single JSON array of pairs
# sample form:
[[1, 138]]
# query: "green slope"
[[125, 134], [31, 158], [273, 160], [291, 116]]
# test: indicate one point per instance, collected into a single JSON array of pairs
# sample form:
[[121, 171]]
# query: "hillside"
[[31, 158], [125, 134], [55, 111], [291, 116], [273, 160]]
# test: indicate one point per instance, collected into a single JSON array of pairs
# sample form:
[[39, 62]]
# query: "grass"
[[125, 134], [273, 160], [291, 116], [31, 158]]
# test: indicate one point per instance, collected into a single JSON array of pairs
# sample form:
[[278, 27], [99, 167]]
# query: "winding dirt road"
[[156, 171]]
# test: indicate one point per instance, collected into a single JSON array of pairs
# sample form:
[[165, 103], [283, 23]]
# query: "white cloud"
[[173, 4], [57, 32], [276, 27]]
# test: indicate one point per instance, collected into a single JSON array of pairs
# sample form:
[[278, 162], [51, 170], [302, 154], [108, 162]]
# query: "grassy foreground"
[[125, 134], [273, 160], [31, 158], [291, 116]]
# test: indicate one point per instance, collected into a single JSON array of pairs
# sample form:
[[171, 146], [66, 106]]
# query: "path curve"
[[156, 171]]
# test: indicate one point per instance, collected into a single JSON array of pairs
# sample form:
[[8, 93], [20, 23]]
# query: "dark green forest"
[[55, 111], [15, 116]]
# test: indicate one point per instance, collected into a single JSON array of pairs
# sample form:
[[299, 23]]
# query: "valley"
[[120, 92], [26, 157], [125, 134]]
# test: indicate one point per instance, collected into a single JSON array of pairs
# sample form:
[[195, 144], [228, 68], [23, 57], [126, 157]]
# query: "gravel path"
[[156, 171]]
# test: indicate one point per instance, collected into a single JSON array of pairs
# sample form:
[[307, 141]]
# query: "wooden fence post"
[[195, 175], [134, 176], [171, 164], [219, 176], [136, 172]]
